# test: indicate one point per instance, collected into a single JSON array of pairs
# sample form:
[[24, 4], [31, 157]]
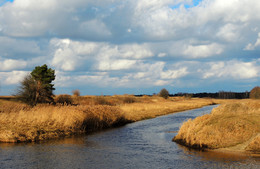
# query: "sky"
[[107, 47]]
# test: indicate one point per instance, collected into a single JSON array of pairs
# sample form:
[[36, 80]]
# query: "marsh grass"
[[107, 100], [158, 106], [228, 125], [12, 106], [254, 145], [64, 99], [48, 121], [22, 123]]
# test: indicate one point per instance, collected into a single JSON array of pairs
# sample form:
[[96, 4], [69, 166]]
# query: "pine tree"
[[37, 87]]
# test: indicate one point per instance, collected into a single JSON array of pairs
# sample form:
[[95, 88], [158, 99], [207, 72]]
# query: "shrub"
[[27, 90], [129, 99], [164, 93], [76, 93], [101, 100], [64, 99], [255, 93]]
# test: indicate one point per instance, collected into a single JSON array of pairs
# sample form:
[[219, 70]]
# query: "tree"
[[36, 87], [76, 93], [255, 93], [164, 93]]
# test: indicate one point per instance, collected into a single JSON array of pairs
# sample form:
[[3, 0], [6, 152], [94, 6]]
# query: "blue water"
[[144, 144]]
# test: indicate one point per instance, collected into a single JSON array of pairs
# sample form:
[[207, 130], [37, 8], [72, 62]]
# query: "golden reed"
[[234, 125]]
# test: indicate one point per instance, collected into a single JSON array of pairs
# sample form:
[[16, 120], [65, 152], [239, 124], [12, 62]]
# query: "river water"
[[144, 144]]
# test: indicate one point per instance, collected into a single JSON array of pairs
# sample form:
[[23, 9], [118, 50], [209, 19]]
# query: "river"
[[144, 144]]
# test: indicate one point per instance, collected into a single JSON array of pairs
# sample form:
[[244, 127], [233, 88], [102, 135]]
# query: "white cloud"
[[13, 77], [160, 55], [135, 51], [94, 27], [174, 74], [202, 51], [11, 64], [229, 32], [251, 46], [232, 69], [25, 18], [107, 65], [70, 55], [64, 57], [161, 83]]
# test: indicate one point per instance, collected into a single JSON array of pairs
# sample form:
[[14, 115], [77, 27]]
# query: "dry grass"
[[254, 145], [159, 106], [106, 100], [46, 122], [21, 123], [229, 125], [12, 106]]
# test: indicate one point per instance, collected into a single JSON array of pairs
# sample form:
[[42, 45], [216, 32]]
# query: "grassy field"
[[233, 126], [21, 123]]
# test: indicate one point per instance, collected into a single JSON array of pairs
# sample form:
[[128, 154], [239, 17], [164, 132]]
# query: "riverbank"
[[230, 127], [21, 123]]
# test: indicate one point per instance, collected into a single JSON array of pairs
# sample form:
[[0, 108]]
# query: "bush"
[[101, 100], [64, 99], [76, 93], [255, 93], [27, 90], [129, 99], [164, 93]]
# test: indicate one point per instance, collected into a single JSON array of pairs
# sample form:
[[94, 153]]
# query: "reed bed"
[[233, 125], [83, 114], [159, 107], [47, 122], [107, 100]]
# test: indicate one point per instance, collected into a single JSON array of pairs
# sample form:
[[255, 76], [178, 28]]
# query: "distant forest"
[[217, 95]]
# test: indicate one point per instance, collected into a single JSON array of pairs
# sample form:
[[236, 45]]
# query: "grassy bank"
[[21, 123], [46, 122], [158, 107], [234, 126]]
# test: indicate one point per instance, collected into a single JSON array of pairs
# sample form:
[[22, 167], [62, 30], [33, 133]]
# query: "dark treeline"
[[217, 95]]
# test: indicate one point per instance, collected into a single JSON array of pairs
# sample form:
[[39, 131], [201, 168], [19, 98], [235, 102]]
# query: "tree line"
[[218, 95]]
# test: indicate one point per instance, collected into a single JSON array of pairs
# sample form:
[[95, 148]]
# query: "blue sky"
[[2, 2], [132, 46]]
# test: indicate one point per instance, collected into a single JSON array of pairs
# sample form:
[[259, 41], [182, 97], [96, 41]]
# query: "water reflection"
[[217, 155]]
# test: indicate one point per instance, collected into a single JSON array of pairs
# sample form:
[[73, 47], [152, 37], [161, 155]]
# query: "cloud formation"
[[132, 44]]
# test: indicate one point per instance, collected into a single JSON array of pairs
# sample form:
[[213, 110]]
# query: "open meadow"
[[76, 115]]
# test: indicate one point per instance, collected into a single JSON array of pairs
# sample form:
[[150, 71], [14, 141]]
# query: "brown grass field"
[[21, 123], [230, 127]]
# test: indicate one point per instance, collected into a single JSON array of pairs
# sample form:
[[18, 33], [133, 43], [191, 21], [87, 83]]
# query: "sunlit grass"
[[46, 122], [159, 106], [22, 123], [236, 124]]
